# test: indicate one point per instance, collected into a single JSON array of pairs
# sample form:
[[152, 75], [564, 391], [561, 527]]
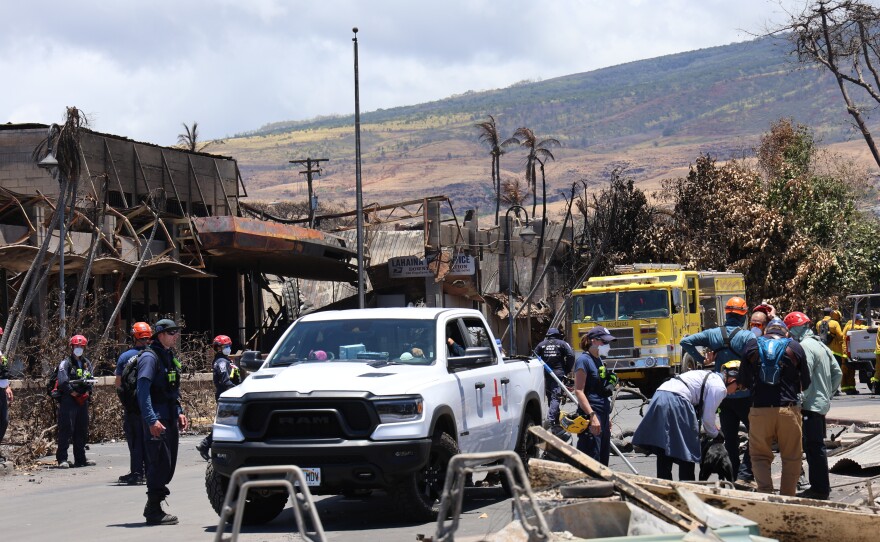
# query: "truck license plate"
[[312, 475]]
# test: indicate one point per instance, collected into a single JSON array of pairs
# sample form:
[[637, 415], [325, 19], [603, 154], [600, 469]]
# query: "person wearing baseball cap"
[[591, 388], [559, 356], [158, 392]]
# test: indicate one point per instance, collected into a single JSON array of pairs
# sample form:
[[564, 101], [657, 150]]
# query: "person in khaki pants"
[[776, 371]]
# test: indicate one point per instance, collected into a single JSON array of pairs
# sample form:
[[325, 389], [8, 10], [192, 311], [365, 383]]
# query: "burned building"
[[167, 216]]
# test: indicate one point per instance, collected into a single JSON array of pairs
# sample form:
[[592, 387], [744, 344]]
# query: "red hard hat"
[[736, 305], [141, 330], [796, 318], [78, 340], [222, 340]]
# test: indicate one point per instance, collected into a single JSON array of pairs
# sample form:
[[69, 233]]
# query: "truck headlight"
[[397, 410], [227, 413]]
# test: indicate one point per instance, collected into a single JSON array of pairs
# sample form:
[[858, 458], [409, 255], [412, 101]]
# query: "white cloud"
[[142, 68]]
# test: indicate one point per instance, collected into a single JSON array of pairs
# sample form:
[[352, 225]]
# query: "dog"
[[715, 460]]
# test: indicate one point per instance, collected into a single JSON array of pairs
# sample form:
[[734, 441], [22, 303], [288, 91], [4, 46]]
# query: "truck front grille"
[[624, 346], [309, 418]]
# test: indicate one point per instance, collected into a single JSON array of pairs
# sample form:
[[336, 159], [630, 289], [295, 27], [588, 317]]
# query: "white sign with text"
[[413, 266]]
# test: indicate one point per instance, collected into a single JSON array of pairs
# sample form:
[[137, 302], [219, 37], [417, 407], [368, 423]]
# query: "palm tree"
[[189, 139], [489, 134], [539, 151]]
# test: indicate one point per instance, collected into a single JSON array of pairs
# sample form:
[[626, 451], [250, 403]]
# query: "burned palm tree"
[[539, 152], [489, 135], [62, 145], [189, 139]]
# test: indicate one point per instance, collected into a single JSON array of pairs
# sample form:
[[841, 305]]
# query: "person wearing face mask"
[[825, 377], [226, 376], [592, 392], [73, 411]]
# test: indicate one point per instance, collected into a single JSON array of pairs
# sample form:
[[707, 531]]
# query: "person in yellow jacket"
[[848, 384], [829, 331]]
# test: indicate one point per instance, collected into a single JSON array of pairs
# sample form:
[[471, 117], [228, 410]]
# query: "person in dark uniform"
[[226, 376], [158, 392], [73, 411], [131, 421], [593, 386], [559, 356], [6, 397]]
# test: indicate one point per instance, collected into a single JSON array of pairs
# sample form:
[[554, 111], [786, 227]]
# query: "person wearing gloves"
[[158, 393], [825, 377], [593, 385], [670, 428], [226, 376], [73, 411]]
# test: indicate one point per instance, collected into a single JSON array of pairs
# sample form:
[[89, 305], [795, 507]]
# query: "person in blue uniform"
[[593, 385], [226, 376], [73, 410], [158, 392], [141, 333]]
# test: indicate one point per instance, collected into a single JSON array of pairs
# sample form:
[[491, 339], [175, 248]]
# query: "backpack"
[[771, 352], [824, 332], [128, 395]]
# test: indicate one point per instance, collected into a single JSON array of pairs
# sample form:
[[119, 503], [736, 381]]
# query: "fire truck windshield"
[[628, 305]]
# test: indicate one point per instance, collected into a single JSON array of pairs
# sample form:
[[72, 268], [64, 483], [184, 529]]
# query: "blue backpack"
[[771, 352]]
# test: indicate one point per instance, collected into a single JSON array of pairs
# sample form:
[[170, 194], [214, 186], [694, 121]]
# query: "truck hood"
[[340, 376]]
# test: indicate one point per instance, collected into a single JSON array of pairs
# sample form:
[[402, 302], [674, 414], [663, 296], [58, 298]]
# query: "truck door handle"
[[480, 385], [505, 380]]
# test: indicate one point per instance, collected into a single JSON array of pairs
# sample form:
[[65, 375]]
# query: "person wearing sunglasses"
[[158, 391]]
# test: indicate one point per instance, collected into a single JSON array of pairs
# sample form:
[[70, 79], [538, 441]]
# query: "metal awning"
[[271, 247], [18, 259]]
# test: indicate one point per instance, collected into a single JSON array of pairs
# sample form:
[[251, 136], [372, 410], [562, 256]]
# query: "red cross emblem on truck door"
[[496, 402]]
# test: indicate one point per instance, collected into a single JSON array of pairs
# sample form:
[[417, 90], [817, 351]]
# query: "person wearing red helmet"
[[6, 396], [728, 343], [74, 374], [226, 376], [825, 377], [131, 421]]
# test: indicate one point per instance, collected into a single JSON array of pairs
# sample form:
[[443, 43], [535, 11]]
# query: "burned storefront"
[[169, 217]]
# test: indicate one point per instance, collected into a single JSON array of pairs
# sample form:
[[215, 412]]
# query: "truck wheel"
[[258, 510], [418, 494], [526, 448]]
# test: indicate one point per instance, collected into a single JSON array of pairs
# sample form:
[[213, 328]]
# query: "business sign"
[[413, 266]]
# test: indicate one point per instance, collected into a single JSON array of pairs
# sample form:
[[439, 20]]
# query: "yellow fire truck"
[[649, 308]]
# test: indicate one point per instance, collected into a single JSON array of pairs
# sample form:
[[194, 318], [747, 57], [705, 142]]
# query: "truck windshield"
[[627, 305], [394, 341], [643, 304]]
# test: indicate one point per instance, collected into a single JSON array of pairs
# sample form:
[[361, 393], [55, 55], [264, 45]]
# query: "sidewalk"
[[862, 410]]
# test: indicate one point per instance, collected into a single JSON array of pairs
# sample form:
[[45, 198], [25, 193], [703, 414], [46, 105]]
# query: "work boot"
[[812, 494], [86, 463], [154, 514], [204, 450]]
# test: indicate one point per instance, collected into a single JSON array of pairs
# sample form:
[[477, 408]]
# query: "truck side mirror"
[[251, 360]]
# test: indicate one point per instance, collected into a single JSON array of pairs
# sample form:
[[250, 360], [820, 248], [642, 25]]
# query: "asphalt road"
[[87, 504]]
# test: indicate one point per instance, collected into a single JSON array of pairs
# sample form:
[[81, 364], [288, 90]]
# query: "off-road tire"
[[418, 495], [258, 510], [526, 448]]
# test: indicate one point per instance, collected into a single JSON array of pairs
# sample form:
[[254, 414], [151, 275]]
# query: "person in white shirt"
[[670, 428]]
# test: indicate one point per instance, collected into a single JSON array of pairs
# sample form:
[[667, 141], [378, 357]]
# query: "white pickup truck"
[[375, 399], [861, 344]]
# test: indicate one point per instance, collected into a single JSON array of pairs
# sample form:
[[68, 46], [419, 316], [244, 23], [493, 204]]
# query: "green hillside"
[[656, 115]]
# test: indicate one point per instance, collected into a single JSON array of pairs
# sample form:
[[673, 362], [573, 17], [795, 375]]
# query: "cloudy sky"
[[141, 68]]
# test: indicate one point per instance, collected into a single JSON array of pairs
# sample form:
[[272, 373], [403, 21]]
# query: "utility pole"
[[309, 162]]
